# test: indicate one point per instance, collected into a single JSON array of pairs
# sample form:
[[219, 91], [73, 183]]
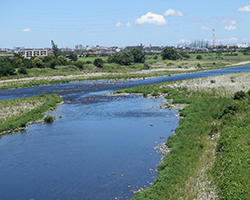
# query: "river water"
[[101, 148]]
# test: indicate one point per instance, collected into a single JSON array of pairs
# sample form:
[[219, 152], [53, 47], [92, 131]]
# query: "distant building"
[[6, 56], [78, 47], [127, 48], [32, 53]]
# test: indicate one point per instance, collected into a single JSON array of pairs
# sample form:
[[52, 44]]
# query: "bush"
[[187, 56], [62, 59], [22, 70], [248, 92], [73, 56], [146, 66], [98, 62], [239, 95], [6, 70], [212, 81], [52, 64], [199, 57], [49, 119], [79, 64], [199, 65]]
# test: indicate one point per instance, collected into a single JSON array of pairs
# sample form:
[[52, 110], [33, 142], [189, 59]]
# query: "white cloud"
[[246, 39], [244, 9], [196, 20], [229, 20], [230, 28], [228, 40], [205, 28], [151, 18], [129, 24], [26, 30], [119, 24], [172, 12]]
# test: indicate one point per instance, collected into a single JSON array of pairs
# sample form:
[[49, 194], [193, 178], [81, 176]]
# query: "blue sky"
[[32, 23]]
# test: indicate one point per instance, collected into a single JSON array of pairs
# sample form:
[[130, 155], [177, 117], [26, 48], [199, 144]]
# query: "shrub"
[[98, 62], [212, 81], [79, 64], [49, 119], [248, 92], [199, 65], [22, 70], [73, 56], [239, 95], [187, 56], [199, 57], [146, 66], [52, 64]]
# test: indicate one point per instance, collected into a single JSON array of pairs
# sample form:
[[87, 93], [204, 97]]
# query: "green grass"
[[206, 114], [19, 115]]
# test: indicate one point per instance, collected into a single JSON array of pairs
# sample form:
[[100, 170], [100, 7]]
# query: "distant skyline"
[[33, 24]]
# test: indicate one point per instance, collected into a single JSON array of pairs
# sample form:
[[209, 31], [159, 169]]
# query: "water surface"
[[99, 150]]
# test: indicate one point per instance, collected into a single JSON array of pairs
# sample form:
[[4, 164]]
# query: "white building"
[[32, 53]]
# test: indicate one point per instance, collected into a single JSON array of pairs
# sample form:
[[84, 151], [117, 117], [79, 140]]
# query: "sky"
[[33, 24]]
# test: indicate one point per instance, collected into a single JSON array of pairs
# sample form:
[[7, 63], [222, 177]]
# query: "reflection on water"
[[98, 150]]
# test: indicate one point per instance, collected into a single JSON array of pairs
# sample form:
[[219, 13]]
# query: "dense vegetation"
[[49, 102], [58, 65], [128, 57], [206, 116], [170, 54]]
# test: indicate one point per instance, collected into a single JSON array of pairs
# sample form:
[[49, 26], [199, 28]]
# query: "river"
[[101, 148]]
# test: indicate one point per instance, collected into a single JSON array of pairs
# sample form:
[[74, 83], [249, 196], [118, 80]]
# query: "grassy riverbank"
[[17, 113], [209, 157], [157, 67]]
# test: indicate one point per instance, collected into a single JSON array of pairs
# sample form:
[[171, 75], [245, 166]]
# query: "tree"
[[169, 53], [126, 58], [17, 62], [122, 58], [182, 53], [55, 49], [139, 56], [6, 69], [62, 59], [52, 64], [49, 58], [98, 62], [73, 56]]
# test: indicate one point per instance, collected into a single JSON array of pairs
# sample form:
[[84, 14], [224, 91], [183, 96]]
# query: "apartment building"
[[32, 53]]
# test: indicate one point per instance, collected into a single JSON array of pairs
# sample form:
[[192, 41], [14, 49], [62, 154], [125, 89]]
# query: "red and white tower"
[[213, 40]]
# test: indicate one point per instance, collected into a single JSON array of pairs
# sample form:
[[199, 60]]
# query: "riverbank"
[[16, 114], [210, 150], [165, 68]]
